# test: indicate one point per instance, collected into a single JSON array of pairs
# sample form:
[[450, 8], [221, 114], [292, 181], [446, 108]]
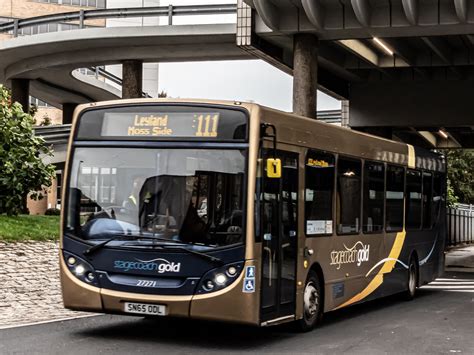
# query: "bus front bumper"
[[229, 304]]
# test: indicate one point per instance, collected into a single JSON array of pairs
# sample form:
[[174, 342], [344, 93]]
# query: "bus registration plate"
[[144, 308]]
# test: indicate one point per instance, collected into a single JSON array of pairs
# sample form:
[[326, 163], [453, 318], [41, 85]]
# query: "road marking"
[[442, 287], [47, 321], [451, 285]]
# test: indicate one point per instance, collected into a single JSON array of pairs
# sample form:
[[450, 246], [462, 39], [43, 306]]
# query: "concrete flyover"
[[48, 60]]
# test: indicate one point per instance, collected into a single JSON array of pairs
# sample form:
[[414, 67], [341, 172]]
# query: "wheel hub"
[[311, 300], [412, 279]]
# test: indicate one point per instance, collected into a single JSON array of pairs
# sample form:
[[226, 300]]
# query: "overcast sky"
[[249, 80]]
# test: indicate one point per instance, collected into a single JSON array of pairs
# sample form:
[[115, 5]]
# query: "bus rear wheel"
[[412, 280], [312, 303]]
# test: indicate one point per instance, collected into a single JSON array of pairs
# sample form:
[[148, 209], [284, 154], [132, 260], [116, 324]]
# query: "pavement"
[[29, 284], [460, 259]]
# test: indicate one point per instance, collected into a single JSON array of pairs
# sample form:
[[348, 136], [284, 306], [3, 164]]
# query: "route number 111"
[[207, 125]]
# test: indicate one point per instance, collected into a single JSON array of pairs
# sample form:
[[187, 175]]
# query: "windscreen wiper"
[[194, 252], [98, 246]]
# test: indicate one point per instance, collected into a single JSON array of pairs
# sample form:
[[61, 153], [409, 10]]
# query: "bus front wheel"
[[412, 279], [312, 303]]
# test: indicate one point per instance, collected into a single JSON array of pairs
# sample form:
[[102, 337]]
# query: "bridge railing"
[[81, 16], [54, 134], [461, 224], [104, 74]]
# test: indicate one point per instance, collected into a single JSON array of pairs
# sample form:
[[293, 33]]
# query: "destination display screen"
[[163, 122]]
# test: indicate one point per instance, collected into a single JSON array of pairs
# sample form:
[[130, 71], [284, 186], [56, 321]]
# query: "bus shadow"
[[191, 333], [213, 335]]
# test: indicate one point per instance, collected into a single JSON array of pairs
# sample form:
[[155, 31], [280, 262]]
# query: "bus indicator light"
[[231, 271]]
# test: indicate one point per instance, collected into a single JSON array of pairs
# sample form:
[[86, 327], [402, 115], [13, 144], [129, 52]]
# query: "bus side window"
[[348, 195], [413, 200], [394, 198], [374, 189], [319, 188], [427, 197]]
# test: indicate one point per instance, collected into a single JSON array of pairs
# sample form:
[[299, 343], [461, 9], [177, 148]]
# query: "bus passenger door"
[[280, 199]]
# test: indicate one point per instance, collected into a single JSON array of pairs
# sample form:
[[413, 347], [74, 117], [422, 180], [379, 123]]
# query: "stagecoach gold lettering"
[[358, 254]]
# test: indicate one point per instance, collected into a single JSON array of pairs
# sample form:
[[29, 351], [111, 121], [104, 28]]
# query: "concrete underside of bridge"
[[406, 66]]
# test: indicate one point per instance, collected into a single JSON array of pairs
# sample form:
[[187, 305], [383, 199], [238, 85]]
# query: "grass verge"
[[24, 228]]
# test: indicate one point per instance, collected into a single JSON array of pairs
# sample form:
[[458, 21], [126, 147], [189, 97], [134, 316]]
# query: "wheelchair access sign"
[[249, 280]]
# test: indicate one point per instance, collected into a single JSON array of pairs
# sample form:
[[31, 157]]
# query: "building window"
[[427, 197], [413, 209], [99, 183], [394, 198], [374, 189], [348, 195], [100, 4], [319, 176]]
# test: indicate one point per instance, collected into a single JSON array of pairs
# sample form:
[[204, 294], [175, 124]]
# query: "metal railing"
[[83, 15], [113, 78], [55, 134], [461, 224]]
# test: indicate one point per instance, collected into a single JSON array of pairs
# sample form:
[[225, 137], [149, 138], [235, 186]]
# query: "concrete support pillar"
[[305, 74], [345, 113], [68, 112], [132, 79], [21, 93]]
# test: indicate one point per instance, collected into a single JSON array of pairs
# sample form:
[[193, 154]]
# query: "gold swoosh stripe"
[[386, 268]]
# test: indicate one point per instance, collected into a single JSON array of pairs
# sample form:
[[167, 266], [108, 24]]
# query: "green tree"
[[461, 175], [21, 169]]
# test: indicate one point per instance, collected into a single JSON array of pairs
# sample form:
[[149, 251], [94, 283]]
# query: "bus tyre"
[[412, 279], [312, 303]]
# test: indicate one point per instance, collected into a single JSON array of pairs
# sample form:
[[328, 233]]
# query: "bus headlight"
[[80, 268], [219, 278]]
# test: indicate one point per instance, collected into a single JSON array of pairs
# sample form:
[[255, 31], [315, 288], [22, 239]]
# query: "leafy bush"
[[22, 169]]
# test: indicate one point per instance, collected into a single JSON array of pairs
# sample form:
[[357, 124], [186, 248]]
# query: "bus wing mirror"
[[273, 168]]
